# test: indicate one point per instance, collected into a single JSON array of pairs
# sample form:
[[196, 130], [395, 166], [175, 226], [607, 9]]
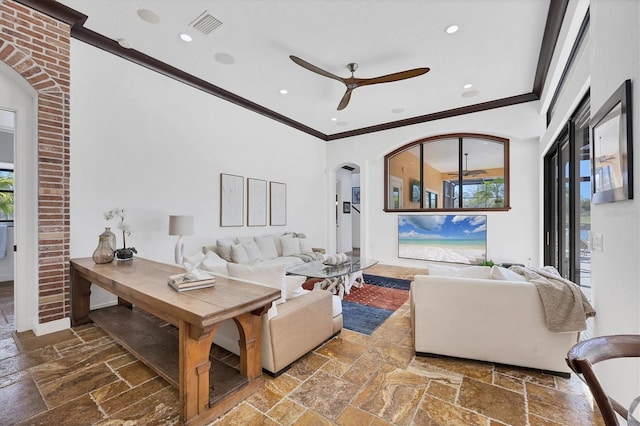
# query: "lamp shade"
[[180, 225]]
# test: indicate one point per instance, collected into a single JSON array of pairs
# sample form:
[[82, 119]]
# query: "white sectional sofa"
[[478, 317]]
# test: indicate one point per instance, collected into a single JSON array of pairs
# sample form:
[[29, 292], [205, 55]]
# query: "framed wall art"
[[256, 202], [355, 195], [346, 207], [612, 148], [278, 203], [231, 200]]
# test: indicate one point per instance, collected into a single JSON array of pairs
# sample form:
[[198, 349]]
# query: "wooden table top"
[[142, 281]]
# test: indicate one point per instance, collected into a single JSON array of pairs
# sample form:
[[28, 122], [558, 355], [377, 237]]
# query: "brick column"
[[38, 48]]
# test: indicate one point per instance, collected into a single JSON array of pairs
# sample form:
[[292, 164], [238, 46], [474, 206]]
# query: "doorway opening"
[[348, 209]]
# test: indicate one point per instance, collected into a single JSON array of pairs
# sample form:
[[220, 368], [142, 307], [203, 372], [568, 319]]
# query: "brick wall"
[[38, 48]]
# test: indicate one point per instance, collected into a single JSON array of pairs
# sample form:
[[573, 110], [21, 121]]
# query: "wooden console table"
[[185, 361]]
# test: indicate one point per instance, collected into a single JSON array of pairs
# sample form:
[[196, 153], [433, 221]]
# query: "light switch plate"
[[596, 241]]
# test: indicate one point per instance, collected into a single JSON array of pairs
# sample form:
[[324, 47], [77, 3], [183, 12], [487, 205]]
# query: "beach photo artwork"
[[443, 238]]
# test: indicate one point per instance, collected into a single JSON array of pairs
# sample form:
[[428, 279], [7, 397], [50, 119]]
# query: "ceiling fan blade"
[[402, 75], [345, 100], [311, 67]]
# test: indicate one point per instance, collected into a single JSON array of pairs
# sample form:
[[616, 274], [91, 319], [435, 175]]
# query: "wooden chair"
[[585, 354]]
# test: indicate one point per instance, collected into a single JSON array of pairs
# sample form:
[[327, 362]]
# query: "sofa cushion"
[[290, 246], [271, 276], [500, 273], [267, 246], [223, 247]]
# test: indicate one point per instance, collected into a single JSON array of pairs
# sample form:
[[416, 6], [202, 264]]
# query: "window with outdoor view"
[[448, 172], [6, 194]]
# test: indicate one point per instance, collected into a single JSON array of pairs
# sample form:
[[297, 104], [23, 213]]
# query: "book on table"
[[181, 283]]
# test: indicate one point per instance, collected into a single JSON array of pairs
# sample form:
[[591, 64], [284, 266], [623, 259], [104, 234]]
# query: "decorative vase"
[[112, 238], [103, 253]]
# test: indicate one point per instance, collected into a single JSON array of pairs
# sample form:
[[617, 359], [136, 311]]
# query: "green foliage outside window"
[[6, 195]]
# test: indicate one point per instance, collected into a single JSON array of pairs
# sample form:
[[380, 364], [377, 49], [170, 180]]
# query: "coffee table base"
[[341, 285]]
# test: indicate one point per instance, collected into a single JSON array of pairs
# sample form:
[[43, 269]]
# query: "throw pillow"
[[279, 240], [500, 273], [270, 276], [293, 286], [223, 247], [239, 254], [305, 245], [214, 263], [252, 251], [267, 246], [290, 246]]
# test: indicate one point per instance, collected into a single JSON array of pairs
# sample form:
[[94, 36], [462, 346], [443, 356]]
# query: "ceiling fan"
[[466, 171], [352, 82]]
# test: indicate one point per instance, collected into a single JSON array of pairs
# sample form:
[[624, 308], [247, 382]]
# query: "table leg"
[[194, 366], [250, 342], [80, 298]]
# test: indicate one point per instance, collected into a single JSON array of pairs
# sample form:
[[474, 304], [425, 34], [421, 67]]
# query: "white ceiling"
[[496, 49]]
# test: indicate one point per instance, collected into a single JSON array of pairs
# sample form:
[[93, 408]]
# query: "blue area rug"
[[364, 318]]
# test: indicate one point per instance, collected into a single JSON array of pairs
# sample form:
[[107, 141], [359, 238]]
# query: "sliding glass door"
[[567, 204]]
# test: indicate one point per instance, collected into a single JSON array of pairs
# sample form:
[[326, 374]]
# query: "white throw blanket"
[[566, 308]]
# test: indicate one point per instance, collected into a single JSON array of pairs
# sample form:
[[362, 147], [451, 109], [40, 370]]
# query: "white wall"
[[615, 274], [156, 147], [512, 236]]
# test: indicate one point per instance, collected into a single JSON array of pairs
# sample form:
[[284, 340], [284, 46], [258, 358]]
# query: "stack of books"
[[180, 283]]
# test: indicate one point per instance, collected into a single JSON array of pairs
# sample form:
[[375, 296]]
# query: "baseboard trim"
[[553, 373], [51, 326]]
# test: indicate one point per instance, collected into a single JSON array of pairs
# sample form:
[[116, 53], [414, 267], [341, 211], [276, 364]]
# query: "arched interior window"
[[448, 172]]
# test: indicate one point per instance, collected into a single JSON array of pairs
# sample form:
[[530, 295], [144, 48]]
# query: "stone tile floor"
[[81, 376]]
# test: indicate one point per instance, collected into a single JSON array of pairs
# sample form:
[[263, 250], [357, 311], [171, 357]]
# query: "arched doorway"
[[18, 102]]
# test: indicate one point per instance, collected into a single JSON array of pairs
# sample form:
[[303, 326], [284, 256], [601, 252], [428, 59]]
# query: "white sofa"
[[287, 249], [482, 318]]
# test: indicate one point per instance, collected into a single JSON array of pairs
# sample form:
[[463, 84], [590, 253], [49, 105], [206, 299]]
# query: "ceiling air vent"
[[205, 23]]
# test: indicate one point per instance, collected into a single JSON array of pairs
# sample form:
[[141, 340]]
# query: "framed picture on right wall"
[[612, 148]]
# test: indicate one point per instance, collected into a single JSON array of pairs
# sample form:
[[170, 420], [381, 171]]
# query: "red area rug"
[[371, 295]]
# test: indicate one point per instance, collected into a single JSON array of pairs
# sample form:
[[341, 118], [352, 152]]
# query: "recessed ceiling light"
[[185, 37], [452, 29], [283, 91], [468, 86], [397, 110], [469, 93], [148, 16], [224, 58], [334, 119]]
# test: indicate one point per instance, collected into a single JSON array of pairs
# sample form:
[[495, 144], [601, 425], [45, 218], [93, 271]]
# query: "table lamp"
[[181, 226]]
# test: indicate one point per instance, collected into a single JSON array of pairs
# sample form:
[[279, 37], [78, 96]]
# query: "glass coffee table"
[[339, 279]]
